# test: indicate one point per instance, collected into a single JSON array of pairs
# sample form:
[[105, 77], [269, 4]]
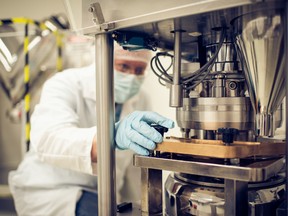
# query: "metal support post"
[[105, 125], [236, 198], [176, 92], [151, 192]]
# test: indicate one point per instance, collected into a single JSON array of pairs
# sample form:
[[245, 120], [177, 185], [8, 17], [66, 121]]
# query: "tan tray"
[[217, 149]]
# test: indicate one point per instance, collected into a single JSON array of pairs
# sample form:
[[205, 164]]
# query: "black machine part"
[[159, 128], [124, 207]]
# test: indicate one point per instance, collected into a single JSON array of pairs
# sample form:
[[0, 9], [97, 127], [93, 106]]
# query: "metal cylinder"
[[226, 60], [177, 57], [265, 124], [213, 113], [105, 125], [176, 99], [176, 93], [218, 90]]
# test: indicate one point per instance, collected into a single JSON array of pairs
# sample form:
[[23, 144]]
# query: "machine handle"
[[228, 134], [159, 128]]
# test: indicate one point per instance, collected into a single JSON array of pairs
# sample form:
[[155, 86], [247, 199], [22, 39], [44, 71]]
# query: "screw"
[[91, 9], [232, 85]]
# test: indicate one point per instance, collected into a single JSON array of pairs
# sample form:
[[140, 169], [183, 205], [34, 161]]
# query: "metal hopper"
[[260, 45]]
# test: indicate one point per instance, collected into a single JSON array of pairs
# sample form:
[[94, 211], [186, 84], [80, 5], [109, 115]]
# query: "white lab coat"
[[50, 179]]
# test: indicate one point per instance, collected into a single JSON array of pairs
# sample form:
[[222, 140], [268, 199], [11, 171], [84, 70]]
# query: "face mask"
[[126, 85]]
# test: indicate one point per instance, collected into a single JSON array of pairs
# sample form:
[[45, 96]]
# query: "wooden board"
[[217, 149]]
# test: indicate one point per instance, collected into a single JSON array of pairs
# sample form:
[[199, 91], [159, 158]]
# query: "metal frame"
[[236, 178], [182, 9], [105, 125], [254, 172]]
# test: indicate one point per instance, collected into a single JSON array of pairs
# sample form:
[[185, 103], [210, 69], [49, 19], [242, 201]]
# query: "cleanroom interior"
[[219, 71]]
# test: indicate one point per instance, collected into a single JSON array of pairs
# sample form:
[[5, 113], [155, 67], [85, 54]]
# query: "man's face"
[[130, 67]]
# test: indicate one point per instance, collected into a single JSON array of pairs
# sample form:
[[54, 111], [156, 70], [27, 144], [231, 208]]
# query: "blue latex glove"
[[135, 133]]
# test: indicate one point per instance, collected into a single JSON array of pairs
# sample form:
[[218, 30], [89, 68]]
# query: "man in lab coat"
[[58, 175]]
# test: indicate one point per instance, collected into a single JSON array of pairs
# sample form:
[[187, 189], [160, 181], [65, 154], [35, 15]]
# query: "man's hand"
[[135, 133]]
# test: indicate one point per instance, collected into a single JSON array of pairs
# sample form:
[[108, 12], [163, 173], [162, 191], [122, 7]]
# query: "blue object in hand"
[[135, 133]]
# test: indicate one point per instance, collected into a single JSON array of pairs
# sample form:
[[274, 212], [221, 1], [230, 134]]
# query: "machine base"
[[202, 196]]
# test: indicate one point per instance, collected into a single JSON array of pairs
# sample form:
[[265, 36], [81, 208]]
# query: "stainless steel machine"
[[235, 96]]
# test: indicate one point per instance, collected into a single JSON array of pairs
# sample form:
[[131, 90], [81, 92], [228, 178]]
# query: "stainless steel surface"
[[219, 89], [95, 9], [236, 198], [197, 17], [177, 53], [105, 125], [226, 60], [233, 84], [219, 182], [151, 191], [176, 92], [259, 38], [206, 196], [213, 113], [253, 172], [278, 116], [188, 199], [134, 13]]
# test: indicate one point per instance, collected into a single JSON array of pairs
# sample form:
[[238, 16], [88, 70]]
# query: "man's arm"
[[55, 133], [94, 151]]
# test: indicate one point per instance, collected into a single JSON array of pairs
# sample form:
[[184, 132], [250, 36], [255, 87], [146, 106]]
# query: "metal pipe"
[[219, 89], [176, 92], [177, 57], [105, 125], [236, 197], [151, 192]]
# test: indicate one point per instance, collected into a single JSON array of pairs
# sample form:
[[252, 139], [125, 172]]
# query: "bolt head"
[[91, 9]]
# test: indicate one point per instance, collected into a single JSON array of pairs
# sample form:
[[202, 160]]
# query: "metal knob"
[[159, 128], [228, 134]]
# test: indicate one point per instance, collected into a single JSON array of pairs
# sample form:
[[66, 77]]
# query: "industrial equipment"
[[228, 161]]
